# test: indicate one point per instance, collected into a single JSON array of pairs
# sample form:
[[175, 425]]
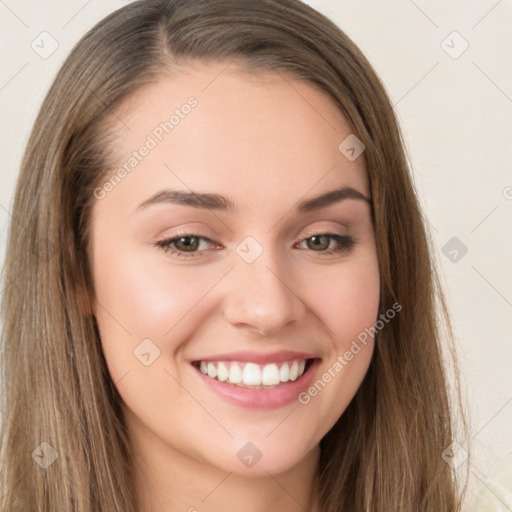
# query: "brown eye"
[[188, 246], [320, 242], [183, 246], [187, 243]]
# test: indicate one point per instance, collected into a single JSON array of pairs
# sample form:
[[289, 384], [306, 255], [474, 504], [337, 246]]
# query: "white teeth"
[[270, 375], [235, 374], [223, 372], [294, 371], [284, 373], [252, 374], [212, 370]]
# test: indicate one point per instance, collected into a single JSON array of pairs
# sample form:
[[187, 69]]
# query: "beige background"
[[455, 108]]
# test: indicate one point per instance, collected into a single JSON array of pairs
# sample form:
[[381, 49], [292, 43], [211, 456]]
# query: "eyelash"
[[345, 244]]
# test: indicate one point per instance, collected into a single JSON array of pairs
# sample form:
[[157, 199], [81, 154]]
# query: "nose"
[[262, 298]]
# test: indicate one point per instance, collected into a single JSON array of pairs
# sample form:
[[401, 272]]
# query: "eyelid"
[[321, 231], [192, 233]]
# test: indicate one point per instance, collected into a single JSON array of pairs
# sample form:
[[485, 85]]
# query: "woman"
[[219, 292]]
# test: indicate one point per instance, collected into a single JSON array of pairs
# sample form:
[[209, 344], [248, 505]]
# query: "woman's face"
[[254, 288]]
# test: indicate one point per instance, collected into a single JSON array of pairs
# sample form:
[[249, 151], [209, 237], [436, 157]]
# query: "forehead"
[[213, 127]]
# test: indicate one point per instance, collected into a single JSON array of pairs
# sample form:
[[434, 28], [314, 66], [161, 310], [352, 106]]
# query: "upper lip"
[[259, 358]]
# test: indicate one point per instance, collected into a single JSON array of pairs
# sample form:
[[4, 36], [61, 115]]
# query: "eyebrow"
[[222, 203]]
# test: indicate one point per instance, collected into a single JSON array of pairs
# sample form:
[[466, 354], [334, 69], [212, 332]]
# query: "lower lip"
[[274, 398]]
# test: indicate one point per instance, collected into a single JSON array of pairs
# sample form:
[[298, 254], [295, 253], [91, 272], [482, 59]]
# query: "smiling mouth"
[[252, 375]]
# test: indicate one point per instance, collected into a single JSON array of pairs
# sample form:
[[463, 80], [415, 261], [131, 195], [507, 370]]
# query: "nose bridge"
[[261, 297]]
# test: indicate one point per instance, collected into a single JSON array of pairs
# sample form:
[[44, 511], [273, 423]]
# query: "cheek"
[[347, 305], [142, 297], [346, 299], [152, 298]]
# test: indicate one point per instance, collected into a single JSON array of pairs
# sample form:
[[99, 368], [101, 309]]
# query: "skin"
[[266, 143]]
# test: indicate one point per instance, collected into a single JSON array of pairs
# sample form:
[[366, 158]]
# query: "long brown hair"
[[385, 452]]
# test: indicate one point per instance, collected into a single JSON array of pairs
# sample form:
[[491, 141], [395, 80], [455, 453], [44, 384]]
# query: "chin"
[[262, 456]]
